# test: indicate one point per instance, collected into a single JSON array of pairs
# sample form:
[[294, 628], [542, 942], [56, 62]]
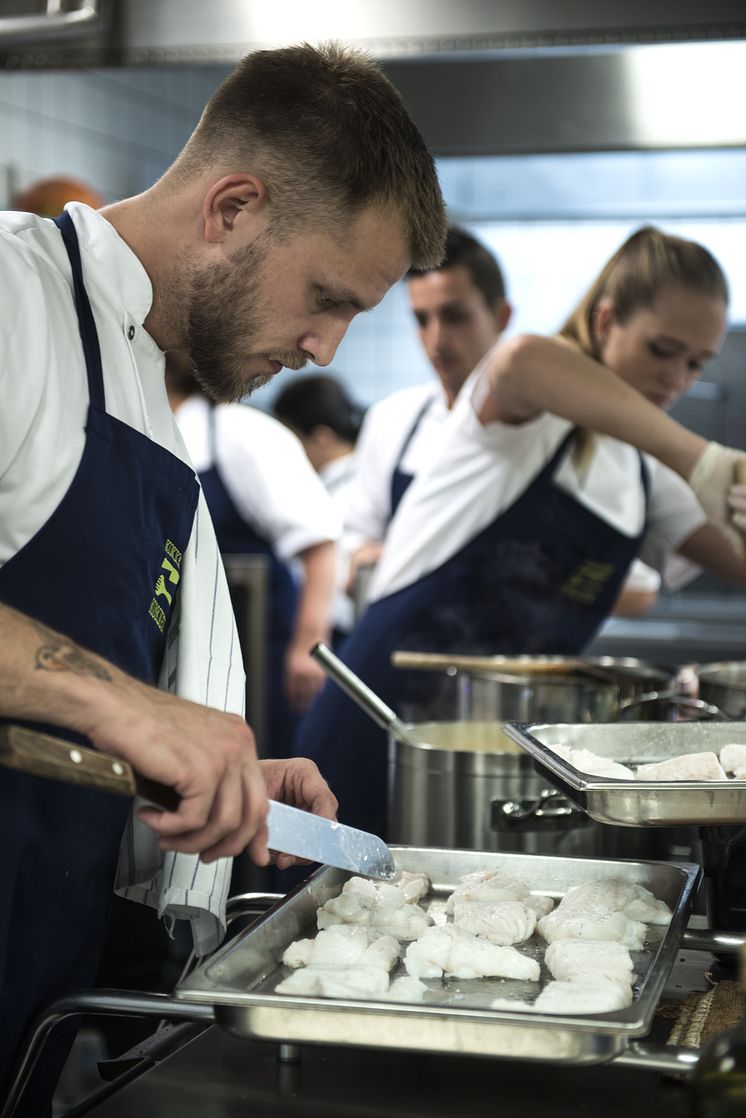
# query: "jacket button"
[[130, 332]]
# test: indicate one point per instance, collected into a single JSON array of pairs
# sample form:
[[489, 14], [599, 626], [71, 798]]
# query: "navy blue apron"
[[401, 481], [104, 570], [540, 579], [236, 536]]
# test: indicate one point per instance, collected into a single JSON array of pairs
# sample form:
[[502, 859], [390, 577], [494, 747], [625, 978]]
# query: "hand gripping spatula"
[[291, 831]]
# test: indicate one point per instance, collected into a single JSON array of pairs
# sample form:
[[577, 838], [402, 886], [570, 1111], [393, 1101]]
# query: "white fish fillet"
[[328, 982], [572, 960], [588, 762], [634, 900], [600, 996], [390, 908], [406, 989], [600, 924], [452, 953], [504, 923], [733, 760], [689, 766], [492, 886]]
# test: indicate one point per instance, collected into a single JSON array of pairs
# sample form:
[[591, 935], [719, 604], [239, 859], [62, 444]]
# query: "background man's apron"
[[236, 536], [539, 579], [104, 571]]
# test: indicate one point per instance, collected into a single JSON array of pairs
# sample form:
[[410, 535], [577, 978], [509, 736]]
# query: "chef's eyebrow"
[[341, 295]]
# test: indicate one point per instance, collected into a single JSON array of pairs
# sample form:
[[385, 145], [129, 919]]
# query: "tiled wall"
[[552, 220]]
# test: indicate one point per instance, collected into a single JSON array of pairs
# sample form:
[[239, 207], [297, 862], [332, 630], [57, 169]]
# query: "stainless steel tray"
[[239, 980], [638, 803]]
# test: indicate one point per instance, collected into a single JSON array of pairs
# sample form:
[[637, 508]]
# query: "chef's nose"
[[433, 334], [322, 343]]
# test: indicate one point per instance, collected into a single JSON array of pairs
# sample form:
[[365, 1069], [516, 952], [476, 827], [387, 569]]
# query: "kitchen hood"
[[42, 34]]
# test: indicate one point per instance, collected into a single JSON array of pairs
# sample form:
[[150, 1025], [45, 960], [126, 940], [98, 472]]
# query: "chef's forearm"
[[314, 606], [530, 374], [46, 677]]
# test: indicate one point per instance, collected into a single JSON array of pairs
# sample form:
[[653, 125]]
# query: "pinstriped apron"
[[103, 570]]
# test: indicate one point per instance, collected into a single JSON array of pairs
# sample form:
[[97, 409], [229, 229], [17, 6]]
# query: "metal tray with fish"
[[240, 979], [638, 803]]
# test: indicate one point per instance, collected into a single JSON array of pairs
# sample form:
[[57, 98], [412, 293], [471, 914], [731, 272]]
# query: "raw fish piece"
[[593, 924], [414, 886], [388, 907], [612, 893], [298, 953], [345, 982], [406, 989], [588, 762], [450, 952], [408, 921], [340, 946], [600, 996], [572, 960], [689, 766], [383, 952], [504, 923], [733, 760], [492, 886]]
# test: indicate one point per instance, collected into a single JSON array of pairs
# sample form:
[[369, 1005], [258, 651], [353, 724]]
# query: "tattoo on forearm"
[[57, 654]]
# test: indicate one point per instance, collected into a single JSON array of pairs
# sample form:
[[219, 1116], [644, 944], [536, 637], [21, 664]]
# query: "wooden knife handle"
[[434, 661], [39, 754]]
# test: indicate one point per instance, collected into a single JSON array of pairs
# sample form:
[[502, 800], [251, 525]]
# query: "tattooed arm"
[[207, 756]]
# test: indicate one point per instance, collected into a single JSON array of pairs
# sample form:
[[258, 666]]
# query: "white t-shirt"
[[382, 435], [266, 472], [44, 394], [481, 470]]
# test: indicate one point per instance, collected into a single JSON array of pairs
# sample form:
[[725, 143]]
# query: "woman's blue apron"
[[540, 579], [104, 571], [236, 536]]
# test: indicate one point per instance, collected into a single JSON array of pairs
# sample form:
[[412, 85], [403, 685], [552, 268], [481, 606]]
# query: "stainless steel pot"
[[465, 785], [723, 685], [536, 688]]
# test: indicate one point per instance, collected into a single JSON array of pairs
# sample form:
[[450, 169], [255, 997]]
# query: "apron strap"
[[86, 322]]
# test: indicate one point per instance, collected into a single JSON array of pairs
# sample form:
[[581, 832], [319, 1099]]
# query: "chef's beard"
[[224, 313]]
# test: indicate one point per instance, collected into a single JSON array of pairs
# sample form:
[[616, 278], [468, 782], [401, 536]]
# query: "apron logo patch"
[[586, 583], [165, 585]]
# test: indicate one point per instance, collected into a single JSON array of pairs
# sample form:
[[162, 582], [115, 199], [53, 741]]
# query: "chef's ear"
[[502, 312], [228, 201], [603, 318]]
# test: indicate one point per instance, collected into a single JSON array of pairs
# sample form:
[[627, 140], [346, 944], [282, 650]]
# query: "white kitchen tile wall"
[[552, 220]]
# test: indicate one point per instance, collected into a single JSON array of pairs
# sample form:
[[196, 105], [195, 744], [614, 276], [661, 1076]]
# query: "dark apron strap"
[[86, 323]]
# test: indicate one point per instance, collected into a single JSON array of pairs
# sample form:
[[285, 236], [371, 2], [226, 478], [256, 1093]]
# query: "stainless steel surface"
[[637, 803], [550, 688], [724, 685], [223, 30], [361, 694], [240, 979], [469, 786], [248, 580], [293, 831]]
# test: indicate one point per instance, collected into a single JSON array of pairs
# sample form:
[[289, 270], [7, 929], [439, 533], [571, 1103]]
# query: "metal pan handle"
[[551, 811], [677, 700]]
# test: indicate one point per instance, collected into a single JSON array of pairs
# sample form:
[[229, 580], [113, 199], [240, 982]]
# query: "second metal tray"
[[240, 979], [638, 803]]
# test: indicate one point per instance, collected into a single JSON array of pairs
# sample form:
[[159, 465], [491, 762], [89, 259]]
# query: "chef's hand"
[[298, 782], [367, 555], [206, 756], [713, 479], [304, 678]]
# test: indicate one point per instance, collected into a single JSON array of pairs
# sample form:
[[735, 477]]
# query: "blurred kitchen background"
[[558, 128]]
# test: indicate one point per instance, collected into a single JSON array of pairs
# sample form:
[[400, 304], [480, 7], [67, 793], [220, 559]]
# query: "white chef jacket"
[[481, 470], [266, 472], [44, 393], [382, 436], [337, 477]]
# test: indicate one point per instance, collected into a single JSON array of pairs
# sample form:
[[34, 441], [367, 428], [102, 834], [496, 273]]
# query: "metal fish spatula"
[[291, 831]]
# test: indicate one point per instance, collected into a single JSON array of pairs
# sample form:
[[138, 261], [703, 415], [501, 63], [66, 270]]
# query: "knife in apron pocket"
[[291, 831]]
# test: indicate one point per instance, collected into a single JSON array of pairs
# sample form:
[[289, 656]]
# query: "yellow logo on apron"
[[165, 585]]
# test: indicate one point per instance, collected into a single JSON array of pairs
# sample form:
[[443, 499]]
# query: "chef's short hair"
[[465, 251], [329, 136]]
